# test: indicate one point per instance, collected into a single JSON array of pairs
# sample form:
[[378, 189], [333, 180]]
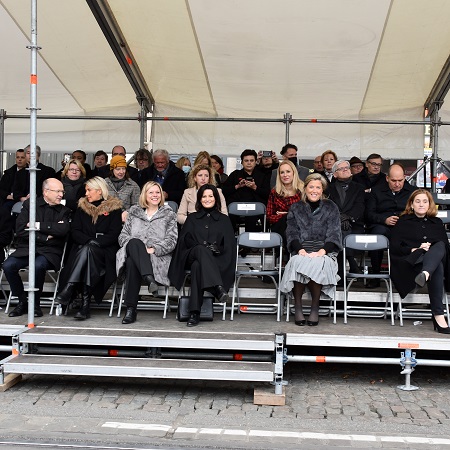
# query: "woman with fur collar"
[[314, 236], [96, 226], [147, 241]]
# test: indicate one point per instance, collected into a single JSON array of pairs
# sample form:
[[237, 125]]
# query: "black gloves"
[[214, 248], [346, 222]]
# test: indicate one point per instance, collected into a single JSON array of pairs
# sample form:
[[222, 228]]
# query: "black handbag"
[[206, 313]]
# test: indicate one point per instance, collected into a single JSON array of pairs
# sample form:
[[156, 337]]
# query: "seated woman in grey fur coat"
[[314, 238], [147, 241]]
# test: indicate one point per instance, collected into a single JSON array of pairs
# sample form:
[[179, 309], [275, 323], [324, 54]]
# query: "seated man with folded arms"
[[53, 224]]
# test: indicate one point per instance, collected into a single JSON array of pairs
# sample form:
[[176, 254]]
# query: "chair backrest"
[[366, 242], [173, 205], [17, 207], [247, 209], [444, 215], [260, 240], [441, 199]]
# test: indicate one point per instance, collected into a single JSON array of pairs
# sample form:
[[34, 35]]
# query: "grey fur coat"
[[324, 225], [159, 232]]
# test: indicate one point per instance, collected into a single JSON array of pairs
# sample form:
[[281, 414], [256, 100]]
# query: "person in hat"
[[356, 165], [121, 186]]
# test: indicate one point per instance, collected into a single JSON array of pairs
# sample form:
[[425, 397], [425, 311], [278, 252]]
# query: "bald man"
[[385, 204], [53, 224]]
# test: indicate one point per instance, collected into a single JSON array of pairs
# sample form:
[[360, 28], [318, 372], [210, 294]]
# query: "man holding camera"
[[247, 185]]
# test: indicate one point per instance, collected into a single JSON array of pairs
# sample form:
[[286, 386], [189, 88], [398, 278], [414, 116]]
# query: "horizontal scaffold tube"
[[365, 360]]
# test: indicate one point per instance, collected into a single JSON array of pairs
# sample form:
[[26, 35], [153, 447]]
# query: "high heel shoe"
[[438, 328], [300, 323], [312, 323]]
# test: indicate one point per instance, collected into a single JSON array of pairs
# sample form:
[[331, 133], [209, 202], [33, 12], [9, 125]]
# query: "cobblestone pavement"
[[340, 399]]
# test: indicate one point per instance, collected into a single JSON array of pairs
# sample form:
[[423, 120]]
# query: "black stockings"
[[315, 290]]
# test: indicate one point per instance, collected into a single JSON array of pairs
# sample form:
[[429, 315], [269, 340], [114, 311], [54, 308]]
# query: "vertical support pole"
[[434, 161], [2, 137], [33, 121], [287, 121], [278, 370], [408, 362], [143, 125]]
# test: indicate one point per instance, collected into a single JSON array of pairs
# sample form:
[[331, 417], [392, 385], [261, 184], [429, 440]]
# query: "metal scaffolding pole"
[[33, 122], [287, 118], [435, 141], [2, 138]]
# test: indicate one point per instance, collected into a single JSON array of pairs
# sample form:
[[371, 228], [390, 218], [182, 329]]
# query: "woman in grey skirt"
[[313, 238]]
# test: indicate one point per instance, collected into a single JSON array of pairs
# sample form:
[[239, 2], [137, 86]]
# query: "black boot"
[[194, 319], [84, 312], [21, 308], [65, 296], [130, 315], [152, 286]]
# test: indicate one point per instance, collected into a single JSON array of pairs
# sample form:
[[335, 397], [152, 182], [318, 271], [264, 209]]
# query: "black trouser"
[[205, 274], [376, 256], [88, 266], [138, 264], [433, 264]]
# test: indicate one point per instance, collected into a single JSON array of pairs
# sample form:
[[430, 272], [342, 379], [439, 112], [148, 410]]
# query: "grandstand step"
[[149, 338], [139, 367]]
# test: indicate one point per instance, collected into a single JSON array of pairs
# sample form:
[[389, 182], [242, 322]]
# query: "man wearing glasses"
[[349, 198], [104, 171], [372, 175], [52, 224]]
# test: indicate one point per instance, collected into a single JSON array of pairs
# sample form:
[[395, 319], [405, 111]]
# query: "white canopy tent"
[[255, 59]]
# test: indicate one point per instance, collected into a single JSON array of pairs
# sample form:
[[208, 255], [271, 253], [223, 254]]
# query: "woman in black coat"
[[420, 251], [96, 226], [206, 246]]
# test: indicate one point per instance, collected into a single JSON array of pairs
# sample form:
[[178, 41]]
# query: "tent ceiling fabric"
[[324, 59]]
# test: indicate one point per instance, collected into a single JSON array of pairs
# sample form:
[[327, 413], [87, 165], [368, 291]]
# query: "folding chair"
[[248, 209], [173, 205], [182, 293], [368, 242], [156, 302], [54, 275], [262, 241]]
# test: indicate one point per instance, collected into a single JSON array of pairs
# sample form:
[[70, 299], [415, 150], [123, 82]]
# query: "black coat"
[[6, 232], [54, 221], [7, 182], [201, 228], [246, 194], [353, 205], [409, 232], [174, 181], [382, 203], [73, 191], [22, 181], [88, 221], [367, 182]]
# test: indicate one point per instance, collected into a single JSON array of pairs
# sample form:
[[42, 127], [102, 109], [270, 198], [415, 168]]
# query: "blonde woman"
[[288, 190], [199, 176], [204, 158], [73, 177], [147, 241]]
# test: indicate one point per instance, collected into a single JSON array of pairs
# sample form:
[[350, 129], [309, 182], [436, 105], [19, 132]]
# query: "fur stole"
[[106, 206]]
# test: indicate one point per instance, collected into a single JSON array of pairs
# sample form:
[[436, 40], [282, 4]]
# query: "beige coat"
[[187, 205]]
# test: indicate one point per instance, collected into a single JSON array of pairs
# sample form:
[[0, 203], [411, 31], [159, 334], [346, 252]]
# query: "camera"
[[267, 154], [66, 158], [249, 178]]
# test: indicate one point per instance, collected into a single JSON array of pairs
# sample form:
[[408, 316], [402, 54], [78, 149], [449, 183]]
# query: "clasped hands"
[[303, 252]]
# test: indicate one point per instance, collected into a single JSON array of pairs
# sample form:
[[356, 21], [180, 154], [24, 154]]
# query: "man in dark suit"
[[8, 179], [167, 174], [372, 175], [289, 152], [105, 171], [53, 224], [349, 198], [385, 204], [21, 190]]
